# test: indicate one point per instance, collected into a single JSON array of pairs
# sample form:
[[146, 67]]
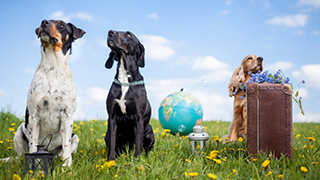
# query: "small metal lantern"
[[198, 135], [40, 161]]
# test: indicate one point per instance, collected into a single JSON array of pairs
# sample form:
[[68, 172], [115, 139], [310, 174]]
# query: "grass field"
[[171, 157]]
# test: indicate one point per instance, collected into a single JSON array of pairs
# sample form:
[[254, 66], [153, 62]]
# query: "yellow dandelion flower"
[[298, 135], [9, 141], [186, 174], [155, 131], [167, 130], [193, 174], [311, 139], [163, 134], [115, 176], [234, 171], [269, 173], [187, 160], [198, 146], [224, 159], [315, 163], [304, 169], [280, 176], [99, 141], [111, 163], [96, 152], [9, 148], [106, 123], [176, 145], [255, 159], [217, 139], [81, 151], [214, 153], [91, 129], [16, 177], [75, 125], [240, 139], [13, 124], [93, 120], [81, 123], [212, 176], [1, 142], [41, 174], [265, 163], [30, 172], [218, 161], [304, 146], [226, 138]]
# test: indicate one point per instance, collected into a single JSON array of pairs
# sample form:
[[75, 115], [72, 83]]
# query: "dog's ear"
[[140, 55], [237, 77], [77, 32], [37, 32], [112, 57]]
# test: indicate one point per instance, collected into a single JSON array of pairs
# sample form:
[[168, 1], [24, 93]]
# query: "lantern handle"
[[46, 149]]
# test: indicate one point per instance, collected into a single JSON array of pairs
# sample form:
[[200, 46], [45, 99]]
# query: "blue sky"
[[195, 45]]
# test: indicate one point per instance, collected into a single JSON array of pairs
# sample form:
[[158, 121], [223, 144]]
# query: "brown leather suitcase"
[[269, 119]]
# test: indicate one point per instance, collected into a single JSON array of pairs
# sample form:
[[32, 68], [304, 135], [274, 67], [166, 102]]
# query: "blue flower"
[[241, 97], [234, 93]]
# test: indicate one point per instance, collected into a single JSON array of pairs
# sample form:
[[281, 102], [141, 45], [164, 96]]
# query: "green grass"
[[171, 157]]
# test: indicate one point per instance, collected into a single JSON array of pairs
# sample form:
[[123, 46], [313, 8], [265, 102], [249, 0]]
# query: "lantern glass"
[[40, 161]]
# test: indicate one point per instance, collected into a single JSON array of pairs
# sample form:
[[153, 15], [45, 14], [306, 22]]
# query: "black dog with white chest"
[[127, 105]]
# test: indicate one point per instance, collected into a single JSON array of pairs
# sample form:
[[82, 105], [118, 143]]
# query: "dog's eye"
[[61, 25], [128, 34], [249, 58]]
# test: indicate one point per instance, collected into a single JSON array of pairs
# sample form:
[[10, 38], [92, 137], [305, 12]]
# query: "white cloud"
[[314, 3], [310, 73], [298, 20], [308, 117], [29, 70], [209, 63], [224, 12], [78, 47], [67, 17], [283, 65], [157, 47], [98, 94], [315, 33], [229, 2], [2, 92], [153, 16]]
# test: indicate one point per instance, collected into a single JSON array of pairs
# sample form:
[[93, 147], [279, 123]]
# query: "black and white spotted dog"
[[52, 96], [127, 104]]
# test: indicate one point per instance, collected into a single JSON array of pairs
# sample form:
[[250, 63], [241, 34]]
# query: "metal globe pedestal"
[[198, 136]]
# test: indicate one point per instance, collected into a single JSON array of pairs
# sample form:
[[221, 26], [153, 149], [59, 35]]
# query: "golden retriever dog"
[[250, 64]]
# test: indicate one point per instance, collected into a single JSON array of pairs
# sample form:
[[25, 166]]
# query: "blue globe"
[[179, 112]]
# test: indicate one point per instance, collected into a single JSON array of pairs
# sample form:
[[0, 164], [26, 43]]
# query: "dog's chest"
[[52, 93], [123, 78]]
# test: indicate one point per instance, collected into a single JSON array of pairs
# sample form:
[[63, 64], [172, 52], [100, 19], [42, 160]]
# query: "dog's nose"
[[45, 23], [111, 33], [260, 59]]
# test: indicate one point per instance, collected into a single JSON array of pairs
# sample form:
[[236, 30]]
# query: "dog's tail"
[[4, 160]]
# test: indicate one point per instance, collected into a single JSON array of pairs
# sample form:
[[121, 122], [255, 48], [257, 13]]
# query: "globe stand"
[[198, 136]]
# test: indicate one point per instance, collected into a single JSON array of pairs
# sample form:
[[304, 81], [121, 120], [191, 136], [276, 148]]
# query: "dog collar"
[[134, 83]]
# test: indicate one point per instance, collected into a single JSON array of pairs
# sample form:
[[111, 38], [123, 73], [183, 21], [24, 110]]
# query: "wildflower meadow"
[[171, 156]]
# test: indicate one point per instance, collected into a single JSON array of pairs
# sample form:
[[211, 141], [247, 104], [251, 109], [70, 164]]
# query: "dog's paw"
[[67, 162]]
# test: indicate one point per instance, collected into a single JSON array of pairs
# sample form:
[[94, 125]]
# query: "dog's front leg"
[[66, 132], [139, 128], [112, 130], [32, 132]]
